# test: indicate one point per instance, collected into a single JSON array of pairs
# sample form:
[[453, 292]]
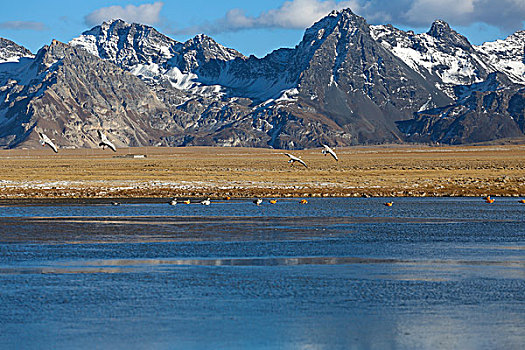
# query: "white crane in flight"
[[328, 150], [44, 140], [294, 159], [104, 142]]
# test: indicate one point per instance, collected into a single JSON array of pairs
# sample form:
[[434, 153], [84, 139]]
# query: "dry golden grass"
[[246, 172]]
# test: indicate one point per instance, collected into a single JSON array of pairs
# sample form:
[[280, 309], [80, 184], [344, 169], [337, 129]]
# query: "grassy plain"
[[245, 172]]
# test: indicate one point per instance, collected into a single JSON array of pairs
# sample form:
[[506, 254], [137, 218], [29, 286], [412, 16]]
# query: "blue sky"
[[251, 27]]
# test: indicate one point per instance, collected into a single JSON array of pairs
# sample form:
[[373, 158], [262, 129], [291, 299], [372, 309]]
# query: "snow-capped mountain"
[[199, 66], [449, 58], [12, 52], [441, 55], [508, 56], [324, 72], [345, 83], [69, 94]]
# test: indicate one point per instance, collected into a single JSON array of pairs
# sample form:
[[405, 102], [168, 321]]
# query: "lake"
[[336, 273]]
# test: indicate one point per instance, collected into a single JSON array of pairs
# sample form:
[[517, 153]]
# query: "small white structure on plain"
[[206, 202], [104, 142], [44, 140], [258, 201], [328, 150], [173, 201], [294, 159]]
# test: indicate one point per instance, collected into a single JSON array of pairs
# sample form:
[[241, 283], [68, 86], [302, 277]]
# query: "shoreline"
[[164, 195]]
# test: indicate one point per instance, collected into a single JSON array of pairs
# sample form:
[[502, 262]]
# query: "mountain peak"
[[127, 44], [202, 38], [342, 12], [441, 30], [341, 17], [115, 21], [210, 48], [50, 54], [10, 51], [344, 20]]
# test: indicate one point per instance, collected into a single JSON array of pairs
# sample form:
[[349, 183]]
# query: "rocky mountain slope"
[[69, 95], [338, 85], [345, 83], [490, 110]]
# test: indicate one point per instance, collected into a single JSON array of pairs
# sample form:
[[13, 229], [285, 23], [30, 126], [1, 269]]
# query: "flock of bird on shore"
[[105, 143]]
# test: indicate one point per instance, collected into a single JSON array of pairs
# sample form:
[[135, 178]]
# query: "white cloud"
[[23, 25], [505, 14], [425, 11], [299, 14], [296, 14], [144, 14]]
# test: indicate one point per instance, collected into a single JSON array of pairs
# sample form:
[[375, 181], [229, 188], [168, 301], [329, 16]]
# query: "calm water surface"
[[426, 273]]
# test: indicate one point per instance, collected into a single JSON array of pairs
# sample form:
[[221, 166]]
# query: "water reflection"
[[112, 266], [334, 274]]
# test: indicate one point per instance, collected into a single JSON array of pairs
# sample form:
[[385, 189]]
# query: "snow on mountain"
[[127, 44], [345, 83], [192, 66], [447, 55], [441, 53], [12, 52], [200, 66], [15, 65], [508, 56]]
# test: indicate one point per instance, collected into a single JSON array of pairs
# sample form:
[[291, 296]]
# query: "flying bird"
[[104, 142], [328, 150], [294, 159], [44, 140]]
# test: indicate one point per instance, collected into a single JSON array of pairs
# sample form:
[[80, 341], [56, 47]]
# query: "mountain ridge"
[[345, 83]]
